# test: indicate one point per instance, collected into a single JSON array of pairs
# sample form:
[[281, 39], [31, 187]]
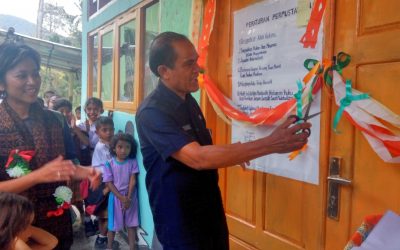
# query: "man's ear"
[[101, 111], [163, 71]]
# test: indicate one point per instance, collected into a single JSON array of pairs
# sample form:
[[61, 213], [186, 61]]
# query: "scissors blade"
[[312, 116], [308, 107]]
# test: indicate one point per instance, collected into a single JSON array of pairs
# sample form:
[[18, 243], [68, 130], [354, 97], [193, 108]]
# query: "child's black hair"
[[15, 217], [103, 120], [95, 101], [62, 102], [123, 137], [78, 108]]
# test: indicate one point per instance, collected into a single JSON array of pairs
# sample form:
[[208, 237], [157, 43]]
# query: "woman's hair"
[[123, 137], [12, 54], [15, 216], [95, 101]]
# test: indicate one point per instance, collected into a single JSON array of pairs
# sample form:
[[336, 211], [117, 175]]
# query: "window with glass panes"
[[118, 65]]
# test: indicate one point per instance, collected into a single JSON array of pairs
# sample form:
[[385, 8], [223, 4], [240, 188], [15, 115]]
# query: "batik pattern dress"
[[43, 133]]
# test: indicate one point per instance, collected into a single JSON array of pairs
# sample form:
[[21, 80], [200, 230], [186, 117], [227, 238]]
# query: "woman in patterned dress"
[[26, 127]]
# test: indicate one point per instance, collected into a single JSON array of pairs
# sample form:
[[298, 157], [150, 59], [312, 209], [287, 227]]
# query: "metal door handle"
[[339, 180], [334, 182]]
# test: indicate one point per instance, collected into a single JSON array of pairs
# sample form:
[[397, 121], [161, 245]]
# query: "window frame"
[[127, 105], [90, 49], [136, 13], [107, 104]]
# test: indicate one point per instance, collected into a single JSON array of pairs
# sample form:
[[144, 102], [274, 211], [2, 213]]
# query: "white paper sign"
[[267, 61], [385, 234]]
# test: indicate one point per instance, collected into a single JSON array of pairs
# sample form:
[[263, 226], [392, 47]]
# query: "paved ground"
[[83, 243]]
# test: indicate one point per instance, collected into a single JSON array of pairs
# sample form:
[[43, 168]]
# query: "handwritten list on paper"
[[267, 61]]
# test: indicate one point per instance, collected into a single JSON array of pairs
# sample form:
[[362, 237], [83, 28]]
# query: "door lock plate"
[[333, 189]]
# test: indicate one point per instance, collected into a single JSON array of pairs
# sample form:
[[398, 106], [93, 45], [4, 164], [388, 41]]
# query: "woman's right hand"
[[55, 170]]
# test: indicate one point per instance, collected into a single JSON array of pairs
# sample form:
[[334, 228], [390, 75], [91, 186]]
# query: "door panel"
[[369, 31], [283, 212]]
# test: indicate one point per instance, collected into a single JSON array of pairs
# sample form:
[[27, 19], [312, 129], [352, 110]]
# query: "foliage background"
[[59, 81], [56, 25]]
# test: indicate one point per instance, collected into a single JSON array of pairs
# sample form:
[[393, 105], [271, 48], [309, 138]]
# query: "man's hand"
[[287, 138]]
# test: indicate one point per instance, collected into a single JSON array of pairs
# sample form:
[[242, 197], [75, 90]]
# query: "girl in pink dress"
[[120, 177]]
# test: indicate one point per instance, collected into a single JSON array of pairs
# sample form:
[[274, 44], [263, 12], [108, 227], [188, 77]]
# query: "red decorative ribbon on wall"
[[310, 37], [208, 24]]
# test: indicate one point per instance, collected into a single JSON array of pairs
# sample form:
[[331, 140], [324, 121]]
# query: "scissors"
[[305, 118]]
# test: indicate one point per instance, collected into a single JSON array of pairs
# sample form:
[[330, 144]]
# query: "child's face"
[[105, 132], [66, 112], [122, 149], [78, 114], [52, 101], [93, 112]]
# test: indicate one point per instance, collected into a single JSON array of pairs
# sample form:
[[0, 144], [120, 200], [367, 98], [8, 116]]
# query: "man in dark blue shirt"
[[178, 155]]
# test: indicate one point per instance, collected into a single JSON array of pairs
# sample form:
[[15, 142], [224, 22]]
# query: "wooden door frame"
[[327, 100]]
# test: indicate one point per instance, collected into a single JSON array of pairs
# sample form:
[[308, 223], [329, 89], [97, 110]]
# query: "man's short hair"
[[52, 92], [62, 102], [102, 121], [162, 52]]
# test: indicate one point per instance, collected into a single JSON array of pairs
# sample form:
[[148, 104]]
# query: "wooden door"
[[263, 211], [369, 31]]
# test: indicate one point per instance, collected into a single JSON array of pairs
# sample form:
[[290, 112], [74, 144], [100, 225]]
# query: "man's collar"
[[170, 95]]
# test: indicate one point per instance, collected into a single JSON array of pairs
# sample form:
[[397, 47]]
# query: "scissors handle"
[[295, 117], [306, 130]]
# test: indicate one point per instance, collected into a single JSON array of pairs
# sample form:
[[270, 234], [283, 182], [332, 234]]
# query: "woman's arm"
[[53, 171], [41, 239], [20, 245], [91, 173]]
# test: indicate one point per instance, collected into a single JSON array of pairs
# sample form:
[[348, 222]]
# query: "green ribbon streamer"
[[299, 102], [346, 101], [342, 60], [310, 63], [310, 94]]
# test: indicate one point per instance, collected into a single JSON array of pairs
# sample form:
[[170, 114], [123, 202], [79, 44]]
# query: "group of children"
[[114, 204]]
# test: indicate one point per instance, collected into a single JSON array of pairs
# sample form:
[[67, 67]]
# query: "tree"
[[55, 24]]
